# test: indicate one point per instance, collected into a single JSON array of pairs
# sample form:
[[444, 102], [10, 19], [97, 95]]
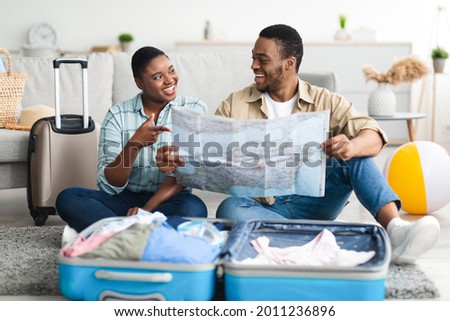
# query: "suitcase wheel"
[[41, 214], [40, 221]]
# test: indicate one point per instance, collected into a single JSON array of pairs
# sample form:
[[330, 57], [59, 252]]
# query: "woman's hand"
[[147, 134], [166, 161]]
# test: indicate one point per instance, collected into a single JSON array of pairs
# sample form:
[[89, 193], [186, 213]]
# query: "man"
[[278, 92]]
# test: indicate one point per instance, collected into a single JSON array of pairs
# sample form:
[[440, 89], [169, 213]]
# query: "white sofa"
[[210, 76]]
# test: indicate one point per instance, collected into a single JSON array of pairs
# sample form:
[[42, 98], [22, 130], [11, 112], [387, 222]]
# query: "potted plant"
[[439, 56], [125, 39], [341, 33]]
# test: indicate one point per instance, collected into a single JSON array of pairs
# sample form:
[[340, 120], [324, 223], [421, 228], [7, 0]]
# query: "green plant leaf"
[[439, 52], [125, 37], [342, 21]]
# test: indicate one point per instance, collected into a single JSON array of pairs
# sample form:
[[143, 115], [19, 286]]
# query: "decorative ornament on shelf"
[[439, 55], [207, 30], [42, 41], [341, 33], [382, 101], [125, 40]]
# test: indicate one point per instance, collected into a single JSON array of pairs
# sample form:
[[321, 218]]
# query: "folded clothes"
[[166, 244], [128, 244], [144, 237], [83, 245], [323, 250]]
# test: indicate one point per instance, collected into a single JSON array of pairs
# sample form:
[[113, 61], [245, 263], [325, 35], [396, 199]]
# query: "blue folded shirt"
[[166, 244]]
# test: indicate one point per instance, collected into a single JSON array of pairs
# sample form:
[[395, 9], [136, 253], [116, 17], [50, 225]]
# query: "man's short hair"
[[142, 57], [288, 39]]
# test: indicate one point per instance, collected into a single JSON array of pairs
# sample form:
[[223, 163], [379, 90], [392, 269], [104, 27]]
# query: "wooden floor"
[[435, 263]]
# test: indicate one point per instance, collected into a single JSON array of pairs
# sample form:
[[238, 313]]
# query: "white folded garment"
[[321, 251]]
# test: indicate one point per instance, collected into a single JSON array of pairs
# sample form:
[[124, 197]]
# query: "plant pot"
[[125, 46], [438, 65], [382, 101], [342, 35]]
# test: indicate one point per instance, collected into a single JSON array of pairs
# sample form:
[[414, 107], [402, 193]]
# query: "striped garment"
[[120, 123]]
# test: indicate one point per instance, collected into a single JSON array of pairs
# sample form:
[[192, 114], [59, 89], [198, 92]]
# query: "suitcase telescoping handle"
[[56, 64]]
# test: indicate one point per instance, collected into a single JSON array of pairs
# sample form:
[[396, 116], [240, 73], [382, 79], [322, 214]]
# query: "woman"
[[132, 131]]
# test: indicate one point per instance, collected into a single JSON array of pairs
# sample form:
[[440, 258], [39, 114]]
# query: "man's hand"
[[166, 161], [147, 134], [339, 147]]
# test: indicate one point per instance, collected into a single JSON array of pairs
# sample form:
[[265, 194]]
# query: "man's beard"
[[276, 83]]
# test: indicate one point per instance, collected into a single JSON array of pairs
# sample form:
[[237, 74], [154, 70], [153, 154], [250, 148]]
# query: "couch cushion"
[[212, 76], [13, 145], [124, 85], [39, 84], [101, 77], [14, 175]]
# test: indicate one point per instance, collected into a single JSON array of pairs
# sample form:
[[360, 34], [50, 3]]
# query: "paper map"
[[254, 158]]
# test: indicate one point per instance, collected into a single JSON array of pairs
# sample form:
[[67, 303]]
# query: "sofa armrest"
[[323, 79]]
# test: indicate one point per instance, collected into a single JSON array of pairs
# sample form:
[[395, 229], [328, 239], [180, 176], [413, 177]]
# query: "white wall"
[[86, 23]]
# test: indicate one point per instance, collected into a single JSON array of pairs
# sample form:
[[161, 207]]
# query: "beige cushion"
[[13, 145], [212, 76], [124, 85]]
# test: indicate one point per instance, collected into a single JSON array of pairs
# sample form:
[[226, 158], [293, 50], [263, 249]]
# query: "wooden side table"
[[403, 116]]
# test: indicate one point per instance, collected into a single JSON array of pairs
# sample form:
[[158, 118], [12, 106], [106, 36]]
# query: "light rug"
[[29, 266], [407, 281]]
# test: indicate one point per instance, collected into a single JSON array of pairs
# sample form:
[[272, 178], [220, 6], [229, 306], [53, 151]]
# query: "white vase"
[[382, 101], [341, 35], [125, 46]]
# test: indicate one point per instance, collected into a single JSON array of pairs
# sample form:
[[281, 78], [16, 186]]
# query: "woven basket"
[[11, 92]]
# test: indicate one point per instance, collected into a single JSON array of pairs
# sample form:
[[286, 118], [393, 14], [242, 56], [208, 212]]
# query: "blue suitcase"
[[107, 279], [291, 283]]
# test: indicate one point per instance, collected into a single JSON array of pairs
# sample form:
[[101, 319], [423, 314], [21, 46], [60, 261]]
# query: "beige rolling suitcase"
[[62, 152]]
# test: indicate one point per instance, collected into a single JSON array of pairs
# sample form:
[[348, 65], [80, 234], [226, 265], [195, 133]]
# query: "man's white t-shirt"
[[277, 109]]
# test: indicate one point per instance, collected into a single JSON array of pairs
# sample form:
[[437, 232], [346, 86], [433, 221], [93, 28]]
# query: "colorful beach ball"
[[419, 172]]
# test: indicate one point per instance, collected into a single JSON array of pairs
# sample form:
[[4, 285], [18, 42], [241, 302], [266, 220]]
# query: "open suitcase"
[[291, 283], [62, 152], [106, 279]]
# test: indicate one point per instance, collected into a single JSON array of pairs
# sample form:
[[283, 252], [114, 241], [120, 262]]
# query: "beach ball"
[[419, 172]]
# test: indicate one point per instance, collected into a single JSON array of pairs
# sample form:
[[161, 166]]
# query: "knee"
[[66, 200], [63, 198], [195, 207], [229, 208]]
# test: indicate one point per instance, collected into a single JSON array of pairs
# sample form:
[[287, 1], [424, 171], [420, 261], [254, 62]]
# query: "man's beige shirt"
[[249, 103]]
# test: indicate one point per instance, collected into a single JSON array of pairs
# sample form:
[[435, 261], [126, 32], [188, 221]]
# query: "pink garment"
[[84, 245], [321, 251]]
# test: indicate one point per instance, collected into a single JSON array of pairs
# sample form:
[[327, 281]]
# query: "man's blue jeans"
[[360, 175], [80, 207]]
